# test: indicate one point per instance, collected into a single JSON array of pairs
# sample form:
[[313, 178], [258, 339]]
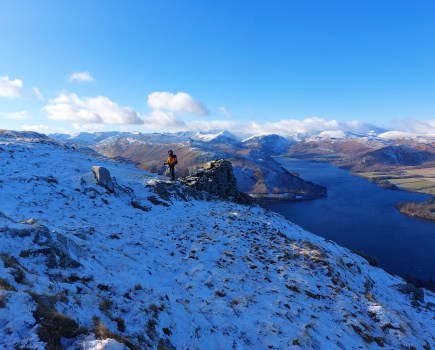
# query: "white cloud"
[[16, 115], [415, 126], [313, 124], [215, 125], [292, 126], [163, 120], [10, 88], [179, 102], [81, 77], [88, 127], [43, 129], [90, 110], [37, 93], [224, 112]]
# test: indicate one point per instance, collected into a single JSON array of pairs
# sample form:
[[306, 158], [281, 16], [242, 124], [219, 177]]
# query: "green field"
[[408, 179]]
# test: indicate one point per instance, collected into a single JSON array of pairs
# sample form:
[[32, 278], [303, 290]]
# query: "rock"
[[430, 306], [137, 205], [30, 221], [103, 178], [217, 178], [416, 294]]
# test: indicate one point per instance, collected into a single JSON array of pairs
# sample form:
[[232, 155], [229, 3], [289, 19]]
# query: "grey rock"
[[217, 178], [137, 205], [416, 294], [430, 306], [30, 221], [103, 178]]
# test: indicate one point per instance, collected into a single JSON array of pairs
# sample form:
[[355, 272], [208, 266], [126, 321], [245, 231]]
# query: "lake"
[[359, 215]]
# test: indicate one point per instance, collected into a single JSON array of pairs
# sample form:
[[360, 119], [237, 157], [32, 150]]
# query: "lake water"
[[359, 215]]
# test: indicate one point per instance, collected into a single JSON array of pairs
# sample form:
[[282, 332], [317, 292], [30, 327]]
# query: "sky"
[[282, 66]]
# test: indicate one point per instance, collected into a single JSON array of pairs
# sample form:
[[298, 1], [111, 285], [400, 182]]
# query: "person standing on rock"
[[171, 162]]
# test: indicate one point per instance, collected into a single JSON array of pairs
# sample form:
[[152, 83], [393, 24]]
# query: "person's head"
[[170, 153]]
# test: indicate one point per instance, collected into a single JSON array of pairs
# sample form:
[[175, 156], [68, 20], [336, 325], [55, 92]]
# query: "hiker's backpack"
[[176, 161]]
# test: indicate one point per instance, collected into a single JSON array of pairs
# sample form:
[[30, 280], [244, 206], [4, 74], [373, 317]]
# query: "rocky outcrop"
[[103, 178], [216, 177]]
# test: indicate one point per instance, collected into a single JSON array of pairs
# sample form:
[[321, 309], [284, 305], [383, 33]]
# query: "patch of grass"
[[105, 306], [100, 329], [5, 285], [120, 324], [314, 296], [17, 272], [368, 338], [53, 325], [102, 332], [3, 300]]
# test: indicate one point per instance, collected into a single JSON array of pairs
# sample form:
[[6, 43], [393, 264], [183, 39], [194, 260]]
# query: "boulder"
[[415, 293], [216, 177], [103, 178]]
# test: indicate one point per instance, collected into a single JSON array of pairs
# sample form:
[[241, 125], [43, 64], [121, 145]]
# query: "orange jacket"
[[171, 160]]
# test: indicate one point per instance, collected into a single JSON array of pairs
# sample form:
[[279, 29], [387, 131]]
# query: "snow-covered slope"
[[174, 271], [269, 144], [221, 136]]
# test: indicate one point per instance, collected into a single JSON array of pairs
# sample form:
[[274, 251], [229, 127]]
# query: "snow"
[[339, 135], [200, 274], [210, 137]]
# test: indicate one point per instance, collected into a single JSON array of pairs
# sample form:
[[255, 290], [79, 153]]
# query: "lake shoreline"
[[411, 209], [361, 216]]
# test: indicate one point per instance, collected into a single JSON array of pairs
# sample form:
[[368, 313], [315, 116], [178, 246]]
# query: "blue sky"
[[260, 66]]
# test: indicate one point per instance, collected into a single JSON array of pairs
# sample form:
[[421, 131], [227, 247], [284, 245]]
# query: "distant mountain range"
[[256, 170]]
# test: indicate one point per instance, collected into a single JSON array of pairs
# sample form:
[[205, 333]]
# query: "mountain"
[[257, 173], [152, 265], [269, 144], [334, 149], [219, 137], [85, 138], [398, 155]]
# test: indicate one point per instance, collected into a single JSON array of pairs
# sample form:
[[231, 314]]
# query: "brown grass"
[[53, 325], [5, 285]]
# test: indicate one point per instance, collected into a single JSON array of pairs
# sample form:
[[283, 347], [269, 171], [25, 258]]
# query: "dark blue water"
[[359, 215]]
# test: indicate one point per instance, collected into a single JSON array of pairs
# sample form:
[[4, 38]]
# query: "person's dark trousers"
[[172, 170]]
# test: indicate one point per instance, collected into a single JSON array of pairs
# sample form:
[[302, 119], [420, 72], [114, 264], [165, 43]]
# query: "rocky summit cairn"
[[103, 178], [216, 177]]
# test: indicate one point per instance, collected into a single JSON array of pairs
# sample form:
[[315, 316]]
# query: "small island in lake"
[[425, 210]]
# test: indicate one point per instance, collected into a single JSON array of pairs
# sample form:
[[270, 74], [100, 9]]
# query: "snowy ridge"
[[178, 271], [214, 137]]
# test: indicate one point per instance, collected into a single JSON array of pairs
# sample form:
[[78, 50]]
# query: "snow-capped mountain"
[[221, 136], [151, 265], [269, 144]]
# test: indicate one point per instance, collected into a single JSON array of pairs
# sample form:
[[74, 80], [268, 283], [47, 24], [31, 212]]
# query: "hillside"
[[152, 265]]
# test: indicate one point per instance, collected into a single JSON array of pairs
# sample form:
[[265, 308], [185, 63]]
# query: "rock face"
[[103, 178], [217, 178]]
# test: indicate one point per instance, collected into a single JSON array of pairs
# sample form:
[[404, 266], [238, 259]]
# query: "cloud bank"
[[416, 126], [288, 127], [179, 102], [90, 110]]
